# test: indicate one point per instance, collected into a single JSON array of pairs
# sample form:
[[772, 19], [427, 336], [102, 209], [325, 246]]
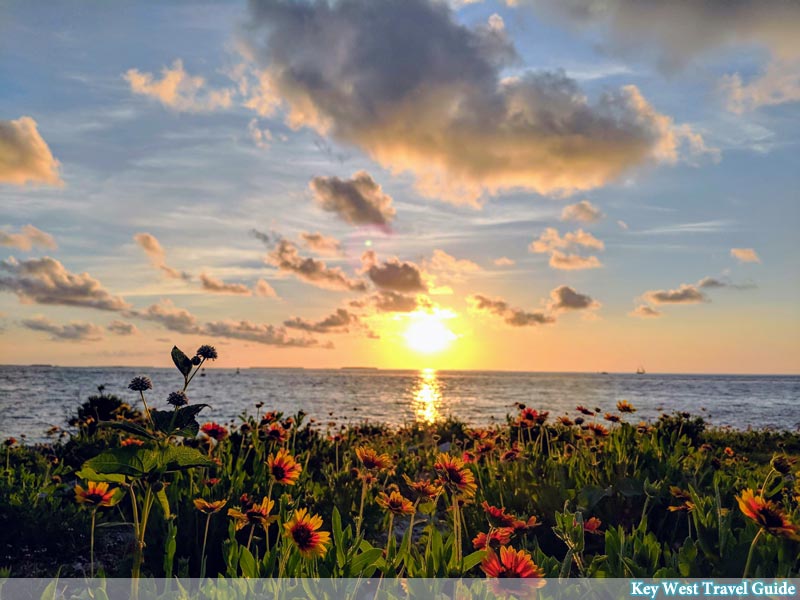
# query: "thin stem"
[[91, 544], [146, 410], [203, 554], [189, 379], [764, 487], [750, 554], [250, 538], [361, 507]]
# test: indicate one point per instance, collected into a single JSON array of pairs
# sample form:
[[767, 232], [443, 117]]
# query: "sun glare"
[[427, 333]]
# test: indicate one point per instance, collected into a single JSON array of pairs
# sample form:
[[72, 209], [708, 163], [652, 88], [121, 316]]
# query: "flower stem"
[[91, 544], [203, 554], [750, 554]]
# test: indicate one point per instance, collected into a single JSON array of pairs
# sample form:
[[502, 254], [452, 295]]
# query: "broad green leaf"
[[183, 362], [130, 461], [88, 474], [248, 564], [470, 560], [365, 559], [161, 496], [176, 458]]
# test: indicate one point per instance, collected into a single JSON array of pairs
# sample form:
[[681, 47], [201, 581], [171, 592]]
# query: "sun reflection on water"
[[427, 397]]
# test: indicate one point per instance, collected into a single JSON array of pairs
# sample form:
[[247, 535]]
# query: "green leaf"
[[183, 362], [248, 564], [470, 560], [161, 496], [177, 458], [365, 559], [181, 422], [88, 474], [336, 524], [134, 462]]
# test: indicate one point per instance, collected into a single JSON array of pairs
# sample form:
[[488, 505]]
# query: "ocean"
[[32, 399]]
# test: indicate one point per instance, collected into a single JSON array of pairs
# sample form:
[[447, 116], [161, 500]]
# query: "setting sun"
[[428, 334]]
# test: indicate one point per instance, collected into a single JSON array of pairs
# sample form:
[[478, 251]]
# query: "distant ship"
[[640, 371]]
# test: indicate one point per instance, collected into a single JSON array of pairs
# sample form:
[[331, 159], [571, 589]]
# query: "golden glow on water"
[[427, 397]]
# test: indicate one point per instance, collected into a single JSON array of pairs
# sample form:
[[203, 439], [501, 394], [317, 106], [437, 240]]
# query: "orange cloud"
[[24, 156]]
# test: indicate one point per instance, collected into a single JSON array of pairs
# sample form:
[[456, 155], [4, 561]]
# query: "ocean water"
[[32, 399]]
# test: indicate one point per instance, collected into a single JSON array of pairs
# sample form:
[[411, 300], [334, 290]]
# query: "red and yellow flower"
[[495, 538], [283, 468], [215, 431], [767, 515], [624, 406], [498, 517], [395, 503], [372, 460], [592, 525], [209, 508], [423, 489], [253, 514], [97, 493], [511, 563], [455, 476], [131, 442], [303, 531], [275, 432]]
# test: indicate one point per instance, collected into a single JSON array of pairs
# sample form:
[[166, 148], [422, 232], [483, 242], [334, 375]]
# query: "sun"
[[427, 333]]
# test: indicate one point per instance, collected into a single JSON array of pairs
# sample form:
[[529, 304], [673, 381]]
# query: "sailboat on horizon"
[[640, 370]]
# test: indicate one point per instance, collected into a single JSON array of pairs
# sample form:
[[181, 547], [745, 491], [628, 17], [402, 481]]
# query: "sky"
[[536, 185]]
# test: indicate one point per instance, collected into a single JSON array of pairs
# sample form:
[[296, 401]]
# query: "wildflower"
[[565, 421], [624, 406], [643, 427], [592, 525], [95, 494], [521, 526], [468, 457], [207, 352], [275, 433], [510, 563], [372, 460], [584, 410], [211, 481], [395, 503], [494, 539], [9, 442], [529, 417], [140, 384], [178, 399], [283, 467], [579, 420], [454, 475], [131, 442], [782, 463], [498, 517], [423, 489], [214, 431], [255, 514], [209, 508], [729, 452], [510, 455], [767, 515], [485, 448], [612, 418], [302, 530], [598, 430]]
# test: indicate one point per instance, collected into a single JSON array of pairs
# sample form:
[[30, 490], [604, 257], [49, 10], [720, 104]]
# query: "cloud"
[[122, 328], [583, 211], [217, 286], [677, 32], [622, 225], [265, 289], [261, 333], [713, 282], [450, 267], [155, 252], [504, 261], [516, 317], [358, 201], [46, 281], [565, 298], [645, 312], [685, 294], [573, 262], [321, 244], [286, 258], [178, 90], [338, 322], [28, 238], [389, 301], [745, 255], [260, 137], [551, 240], [74, 331], [435, 101], [169, 316], [24, 156], [393, 275]]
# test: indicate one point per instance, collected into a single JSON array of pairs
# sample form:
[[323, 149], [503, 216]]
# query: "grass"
[[585, 495]]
